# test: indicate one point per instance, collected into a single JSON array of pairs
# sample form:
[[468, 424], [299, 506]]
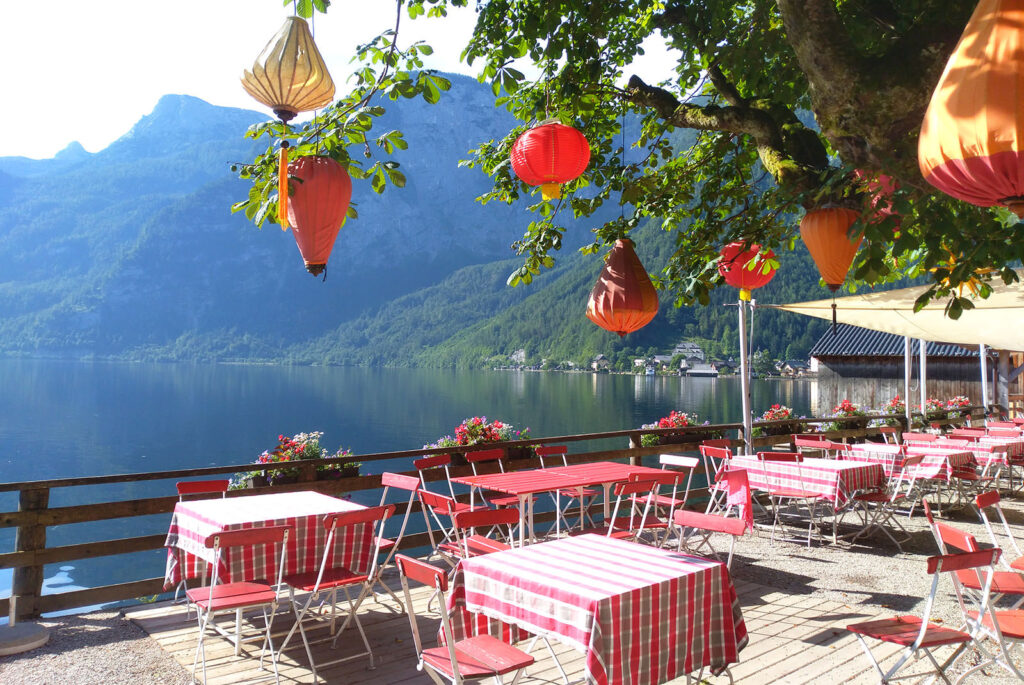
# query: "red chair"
[[468, 543], [239, 596], [696, 529], [389, 546], [639, 498], [789, 488], [878, 508], [575, 499], [666, 498], [716, 464], [990, 500], [919, 437], [330, 578], [916, 634], [474, 658]]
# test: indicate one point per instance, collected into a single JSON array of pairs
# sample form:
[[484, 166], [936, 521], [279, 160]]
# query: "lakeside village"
[[686, 359]]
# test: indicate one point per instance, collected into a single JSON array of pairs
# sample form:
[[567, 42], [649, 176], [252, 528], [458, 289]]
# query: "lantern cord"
[[282, 187], [324, 279], [835, 329], [622, 130]]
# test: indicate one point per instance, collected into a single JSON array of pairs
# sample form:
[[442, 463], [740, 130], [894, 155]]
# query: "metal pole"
[[923, 375], [908, 356], [745, 379], [982, 352]]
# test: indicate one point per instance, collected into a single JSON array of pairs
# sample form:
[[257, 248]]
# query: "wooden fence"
[[34, 514]]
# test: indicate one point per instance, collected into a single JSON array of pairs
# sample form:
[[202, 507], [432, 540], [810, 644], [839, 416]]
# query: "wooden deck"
[[793, 639]]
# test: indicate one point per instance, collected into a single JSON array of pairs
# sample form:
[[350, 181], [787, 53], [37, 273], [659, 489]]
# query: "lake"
[[61, 419]]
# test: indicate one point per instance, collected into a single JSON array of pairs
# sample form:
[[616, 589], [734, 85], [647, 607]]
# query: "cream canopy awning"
[[997, 321]]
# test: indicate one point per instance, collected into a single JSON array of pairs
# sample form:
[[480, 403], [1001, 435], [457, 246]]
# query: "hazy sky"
[[87, 70]]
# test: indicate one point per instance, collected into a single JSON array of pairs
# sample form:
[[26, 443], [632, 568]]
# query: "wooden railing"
[[35, 515]]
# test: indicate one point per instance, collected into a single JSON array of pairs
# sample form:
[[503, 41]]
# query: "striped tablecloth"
[[193, 521], [1014, 446], [640, 615], [837, 480], [936, 465]]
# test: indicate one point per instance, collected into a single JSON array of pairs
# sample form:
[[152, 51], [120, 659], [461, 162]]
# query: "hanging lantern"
[[318, 207], [289, 77], [971, 139], [824, 231], [623, 299], [733, 268], [548, 155]]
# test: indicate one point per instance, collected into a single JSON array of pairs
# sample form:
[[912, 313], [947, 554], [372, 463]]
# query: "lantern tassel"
[[551, 191], [282, 187], [745, 294], [835, 329]]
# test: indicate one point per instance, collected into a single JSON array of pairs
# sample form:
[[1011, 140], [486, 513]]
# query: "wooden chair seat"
[[477, 545], [231, 596], [333, 577], [903, 630], [478, 657], [1011, 622]]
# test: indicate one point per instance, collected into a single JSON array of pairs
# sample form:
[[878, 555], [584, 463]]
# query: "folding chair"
[[388, 546], [813, 443], [575, 499], [967, 433], [912, 436], [196, 487], [790, 488], [701, 527], [239, 596], [920, 634], [468, 543], [1008, 583], [631, 526], [990, 500], [473, 658], [331, 578], [890, 435], [716, 464], [666, 500], [878, 508]]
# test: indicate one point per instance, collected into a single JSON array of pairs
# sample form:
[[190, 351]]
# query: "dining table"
[[939, 463], [192, 521], [837, 480], [529, 482], [640, 615]]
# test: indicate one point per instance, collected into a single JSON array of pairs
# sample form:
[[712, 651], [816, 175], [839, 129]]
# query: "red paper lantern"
[[825, 232], [623, 299], [970, 144], [733, 268], [548, 155], [318, 207]]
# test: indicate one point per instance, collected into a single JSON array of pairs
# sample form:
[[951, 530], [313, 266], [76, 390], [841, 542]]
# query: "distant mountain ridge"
[[132, 253]]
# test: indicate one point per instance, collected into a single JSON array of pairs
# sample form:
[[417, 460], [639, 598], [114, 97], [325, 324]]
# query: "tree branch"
[[823, 48]]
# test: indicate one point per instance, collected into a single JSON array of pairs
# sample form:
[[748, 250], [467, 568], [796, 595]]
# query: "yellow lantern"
[[290, 76]]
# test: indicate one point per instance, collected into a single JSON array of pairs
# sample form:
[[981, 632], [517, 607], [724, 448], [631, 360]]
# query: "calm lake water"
[[60, 419]]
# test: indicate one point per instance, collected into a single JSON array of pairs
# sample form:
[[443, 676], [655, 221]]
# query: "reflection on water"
[[61, 419]]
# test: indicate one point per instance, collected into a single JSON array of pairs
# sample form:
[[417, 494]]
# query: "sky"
[[87, 70]]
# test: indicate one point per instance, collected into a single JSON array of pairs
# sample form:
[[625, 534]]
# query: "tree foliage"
[[750, 74]]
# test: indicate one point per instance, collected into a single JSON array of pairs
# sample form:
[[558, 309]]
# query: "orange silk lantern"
[[318, 207], [623, 299], [548, 155], [825, 232], [733, 268], [971, 139]]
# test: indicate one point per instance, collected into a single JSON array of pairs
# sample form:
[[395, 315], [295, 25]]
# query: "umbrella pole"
[[908, 356], [745, 379], [923, 377], [982, 352]]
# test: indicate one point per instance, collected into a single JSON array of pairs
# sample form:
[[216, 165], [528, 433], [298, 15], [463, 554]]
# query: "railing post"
[[634, 443], [27, 585]]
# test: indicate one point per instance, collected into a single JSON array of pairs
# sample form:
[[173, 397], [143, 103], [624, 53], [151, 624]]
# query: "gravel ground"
[[104, 647]]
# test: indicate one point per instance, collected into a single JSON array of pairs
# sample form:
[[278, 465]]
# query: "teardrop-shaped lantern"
[[318, 207], [825, 232], [973, 131], [548, 155], [290, 76], [623, 299], [733, 268]]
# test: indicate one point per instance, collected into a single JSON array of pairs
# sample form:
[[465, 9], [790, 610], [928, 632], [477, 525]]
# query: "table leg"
[[238, 631], [522, 521], [529, 504]]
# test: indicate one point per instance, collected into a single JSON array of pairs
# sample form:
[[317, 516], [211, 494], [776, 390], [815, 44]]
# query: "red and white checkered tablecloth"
[[1014, 446], [940, 463], [640, 615], [837, 480], [193, 521]]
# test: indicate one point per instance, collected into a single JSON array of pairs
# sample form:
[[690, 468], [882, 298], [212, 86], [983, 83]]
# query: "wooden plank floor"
[[793, 639]]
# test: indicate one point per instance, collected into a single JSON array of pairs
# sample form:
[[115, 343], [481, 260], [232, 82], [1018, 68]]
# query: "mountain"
[[132, 253]]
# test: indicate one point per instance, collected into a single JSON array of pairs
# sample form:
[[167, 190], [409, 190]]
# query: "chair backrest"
[[808, 437], [810, 442], [960, 566], [1001, 424], [552, 453], [967, 432], [202, 487], [910, 436], [249, 537], [503, 520], [794, 457], [717, 442], [410, 484], [737, 485], [716, 461], [1004, 432], [441, 462], [442, 504], [990, 500], [684, 465], [485, 456], [645, 486], [712, 522], [342, 519]]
